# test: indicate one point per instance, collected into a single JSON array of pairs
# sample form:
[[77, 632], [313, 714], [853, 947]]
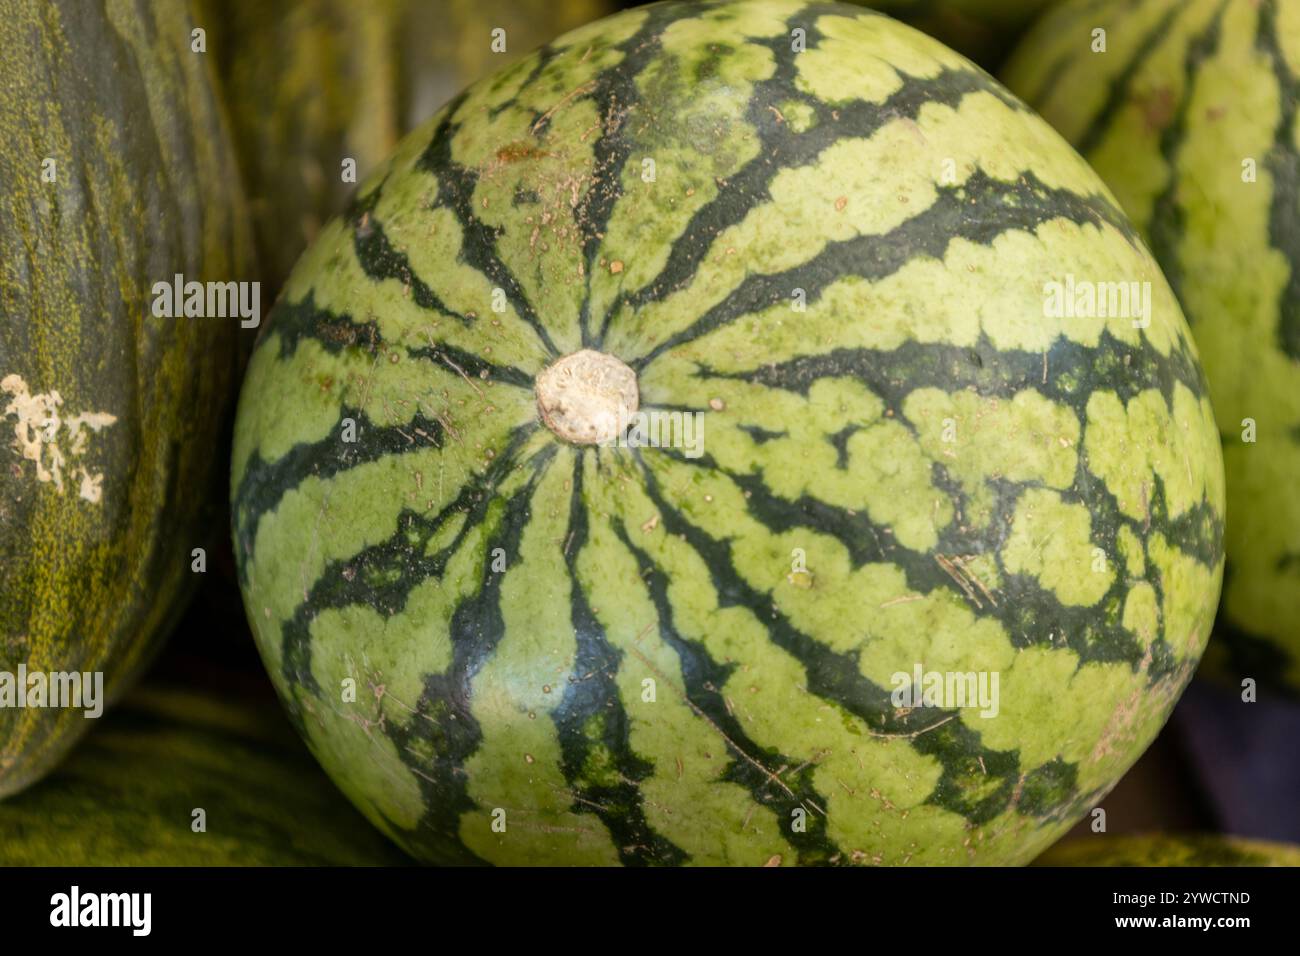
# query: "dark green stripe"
[[478, 247], [383, 575], [474, 366], [443, 733], [1119, 95], [1284, 166], [592, 696], [1073, 371], [1252, 655], [703, 679], [979, 211], [781, 148], [380, 260], [616, 98], [265, 483], [836, 678], [295, 322], [1028, 612]]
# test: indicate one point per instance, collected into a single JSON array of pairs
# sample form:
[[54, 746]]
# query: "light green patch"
[[1216, 239], [1234, 292], [1010, 831], [1127, 446], [433, 241], [800, 115], [319, 522], [1051, 540], [1142, 613], [1132, 551], [1051, 706], [976, 438], [935, 631], [998, 288], [1186, 584], [875, 804], [387, 659], [836, 71], [883, 470], [349, 740], [1130, 154], [390, 657]]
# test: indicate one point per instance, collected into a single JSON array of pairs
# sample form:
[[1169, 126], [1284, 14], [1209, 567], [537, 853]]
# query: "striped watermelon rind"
[[315, 82], [1185, 96], [1170, 849], [638, 656]]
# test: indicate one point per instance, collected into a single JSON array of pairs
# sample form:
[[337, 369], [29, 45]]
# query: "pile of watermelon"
[[725, 432]]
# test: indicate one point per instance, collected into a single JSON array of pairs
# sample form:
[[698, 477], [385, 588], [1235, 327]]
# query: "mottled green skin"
[[1170, 850], [146, 187], [522, 690], [312, 82], [1187, 91], [127, 795]]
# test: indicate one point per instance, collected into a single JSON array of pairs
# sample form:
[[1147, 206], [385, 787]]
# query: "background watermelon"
[[1170, 850], [982, 29], [113, 419], [317, 81], [1187, 102], [127, 795], [506, 602]]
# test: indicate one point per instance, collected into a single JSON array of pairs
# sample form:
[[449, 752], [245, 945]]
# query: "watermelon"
[[118, 174], [128, 795], [982, 29], [312, 84], [1197, 849], [1190, 117], [666, 402]]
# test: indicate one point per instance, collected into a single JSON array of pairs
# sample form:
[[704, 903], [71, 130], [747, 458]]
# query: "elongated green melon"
[[184, 777], [1190, 115], [118, 174], [672, 398], [317, 82], [1170, 850]]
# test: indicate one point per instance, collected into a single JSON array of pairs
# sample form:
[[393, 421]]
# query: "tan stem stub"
[[587, 398]]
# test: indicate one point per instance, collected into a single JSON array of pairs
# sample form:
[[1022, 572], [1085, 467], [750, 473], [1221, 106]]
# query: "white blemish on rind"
[[37, 438]]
